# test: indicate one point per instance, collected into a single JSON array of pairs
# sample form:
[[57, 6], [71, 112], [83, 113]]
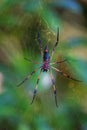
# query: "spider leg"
[[54, 88], [58, 62], [40, 42], [32, 61], [55, 45], [65, 75], [27, 77], [35, 90]]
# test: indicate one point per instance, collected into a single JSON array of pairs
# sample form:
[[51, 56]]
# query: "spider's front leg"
[[35, 62], [40, 43], [35, 90], [57, 62], [55, 45], [54, 88]]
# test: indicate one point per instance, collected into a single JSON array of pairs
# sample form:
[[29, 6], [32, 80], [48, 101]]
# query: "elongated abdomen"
[[46, 60], [46, 55]]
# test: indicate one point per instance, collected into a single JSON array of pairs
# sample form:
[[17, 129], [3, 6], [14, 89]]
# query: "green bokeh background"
[[19, 22]]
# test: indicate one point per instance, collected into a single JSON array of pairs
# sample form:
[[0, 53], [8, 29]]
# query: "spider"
[[47, 66]]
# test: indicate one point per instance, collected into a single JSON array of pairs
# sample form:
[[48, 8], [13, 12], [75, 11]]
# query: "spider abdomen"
[[46, 55]]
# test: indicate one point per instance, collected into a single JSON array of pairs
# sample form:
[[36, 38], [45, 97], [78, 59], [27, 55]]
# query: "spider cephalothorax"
[[47, 66]]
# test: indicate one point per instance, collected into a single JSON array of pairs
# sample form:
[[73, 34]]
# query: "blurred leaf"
[[8, 20], [77, 41], [42, 124], [6, 4], [32, 6], [72, 5], [23, 127], [80, 67], [70, 116], [74, 43], [50, 18]]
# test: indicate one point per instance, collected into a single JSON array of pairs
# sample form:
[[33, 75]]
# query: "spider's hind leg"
[[35, 90], [54, 88], [65, 75], [28, 76]]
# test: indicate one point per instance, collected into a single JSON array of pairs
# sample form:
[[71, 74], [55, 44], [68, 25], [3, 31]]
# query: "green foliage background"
[[19, 22]]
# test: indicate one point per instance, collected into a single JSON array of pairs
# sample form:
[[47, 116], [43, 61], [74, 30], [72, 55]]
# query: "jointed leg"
[[53, 50], [58, 62], [35, 90], [26, 78], [54, 88], [64, 74], [40, 42], [32, 61]]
